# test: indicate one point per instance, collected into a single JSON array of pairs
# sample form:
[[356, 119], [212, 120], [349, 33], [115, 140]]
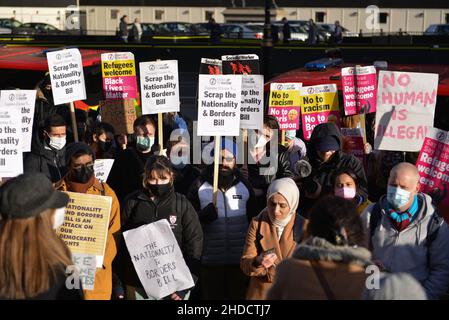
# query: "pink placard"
[[366, 90]]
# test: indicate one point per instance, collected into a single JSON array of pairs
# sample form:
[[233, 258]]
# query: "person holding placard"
[[225, 225], [80, 178], [272, 236], [33, 259], [158, 200], [406, 233], [49, 159], [101, 140], [126, 173]]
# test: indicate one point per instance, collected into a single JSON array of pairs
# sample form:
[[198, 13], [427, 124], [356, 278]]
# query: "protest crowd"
[[314, 203]]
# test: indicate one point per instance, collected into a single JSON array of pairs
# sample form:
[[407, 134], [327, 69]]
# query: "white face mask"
[[57, 142], [58, 218]]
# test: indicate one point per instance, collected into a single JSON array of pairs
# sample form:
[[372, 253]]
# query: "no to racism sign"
[[284, 104]]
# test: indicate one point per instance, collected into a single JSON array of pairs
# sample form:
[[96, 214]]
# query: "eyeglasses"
[[87, 165]]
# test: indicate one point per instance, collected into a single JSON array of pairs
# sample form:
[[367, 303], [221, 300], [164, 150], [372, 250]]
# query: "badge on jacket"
[[173, 220]]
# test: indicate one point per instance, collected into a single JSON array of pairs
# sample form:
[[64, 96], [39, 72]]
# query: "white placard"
[[102, 168], [66, 74], [11, 157], [24, 100], [158, 260], [251, 116], [219, 99], [159, 86], [405, 109], [86, 267]]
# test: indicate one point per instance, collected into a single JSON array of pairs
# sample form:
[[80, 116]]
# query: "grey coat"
[[406, 251]]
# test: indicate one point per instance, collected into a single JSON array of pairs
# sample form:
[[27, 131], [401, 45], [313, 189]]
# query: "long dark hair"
[[158, 164]]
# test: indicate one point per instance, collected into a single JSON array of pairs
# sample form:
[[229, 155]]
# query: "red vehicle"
[[333, 75]]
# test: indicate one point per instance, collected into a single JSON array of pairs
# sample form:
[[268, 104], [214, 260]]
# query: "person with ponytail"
[[272, 236], [156, 201]]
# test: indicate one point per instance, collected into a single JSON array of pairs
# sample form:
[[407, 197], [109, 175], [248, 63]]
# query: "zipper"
[[56, 165]]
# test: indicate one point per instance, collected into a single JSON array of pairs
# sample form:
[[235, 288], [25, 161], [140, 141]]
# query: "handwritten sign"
[[405, 109], [159, 86], [158, 260], [359, 92], [66, 75], [219, 105], [119, 75], [86, 223], [319, 104], [11, 161], [284, 104], [85, 264], [24, 100], [120, 114], [102, 168]]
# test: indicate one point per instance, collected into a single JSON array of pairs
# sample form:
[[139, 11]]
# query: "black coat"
[[140, 210], [184, 178], [49, 162]]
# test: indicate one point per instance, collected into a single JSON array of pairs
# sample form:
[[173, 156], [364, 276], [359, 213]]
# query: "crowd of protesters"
[[306, 229]]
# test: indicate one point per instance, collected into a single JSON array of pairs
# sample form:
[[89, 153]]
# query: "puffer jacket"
[[408, 250], [342, 267], [224, 234]]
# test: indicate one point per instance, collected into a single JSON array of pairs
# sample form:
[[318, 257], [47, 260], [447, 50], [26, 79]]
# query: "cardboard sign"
[[159, 86], [241, 64], [405, 110], [211, 66], [251, 111], [353, 143], [119, 75], [120, 114], [24, 100], [102, 168], [66, 75], [433, 165], [364, 84], [11, 159], [219, 105], [158, 260], [86, 223], [319, 104], [284, 104], [86, 266]]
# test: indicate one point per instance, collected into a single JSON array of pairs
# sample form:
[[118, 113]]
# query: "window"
[[114, 14], [159, 14], [383, 17], [319, 16], [447, 17], [208, 15]]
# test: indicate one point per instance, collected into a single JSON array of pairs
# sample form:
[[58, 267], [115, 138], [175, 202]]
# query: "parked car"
[[329, 29], [437, 30], [148, 31], [242, 31], [38, 28], [180, 29], [10, 24]]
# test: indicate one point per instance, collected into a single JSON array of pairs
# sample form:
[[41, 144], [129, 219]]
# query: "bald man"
[[406, 234]]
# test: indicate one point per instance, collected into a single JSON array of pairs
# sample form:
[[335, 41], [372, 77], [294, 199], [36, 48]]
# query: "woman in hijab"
[[272, 236]]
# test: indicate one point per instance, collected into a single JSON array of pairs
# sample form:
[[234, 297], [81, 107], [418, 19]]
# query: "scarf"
[[401, 220]]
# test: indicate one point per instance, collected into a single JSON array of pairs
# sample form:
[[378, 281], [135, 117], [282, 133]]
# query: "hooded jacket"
[[140, 209], [406, 251], [47, 161], [224, 234], [323, 171], [343, 268]]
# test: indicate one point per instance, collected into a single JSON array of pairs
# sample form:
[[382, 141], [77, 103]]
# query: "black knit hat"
[[28, 195], [75, 148]]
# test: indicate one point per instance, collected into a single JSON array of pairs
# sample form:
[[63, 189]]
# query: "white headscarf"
[[288, 189]]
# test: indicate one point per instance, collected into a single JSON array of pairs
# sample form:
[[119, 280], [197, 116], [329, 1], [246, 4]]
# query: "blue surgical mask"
[[397, 197], [144, 144]]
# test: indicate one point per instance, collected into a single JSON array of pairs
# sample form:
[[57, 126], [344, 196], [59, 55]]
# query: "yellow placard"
[[86, 223], [118, 68], [284, 98], [322, 102]]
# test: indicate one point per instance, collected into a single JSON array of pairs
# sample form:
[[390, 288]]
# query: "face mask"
[[144, 144], [159, 190], [346, 193], [57, 143], [104, 146], [83, 174], [397, 197], [58, 218]]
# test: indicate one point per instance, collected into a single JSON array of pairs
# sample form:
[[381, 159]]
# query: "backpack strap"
[[322, 279], [375, 217], [103, 189]]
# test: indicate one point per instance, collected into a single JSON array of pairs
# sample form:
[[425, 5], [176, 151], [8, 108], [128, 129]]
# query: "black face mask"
[[104, 146], [83, 174], [160, 190]]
